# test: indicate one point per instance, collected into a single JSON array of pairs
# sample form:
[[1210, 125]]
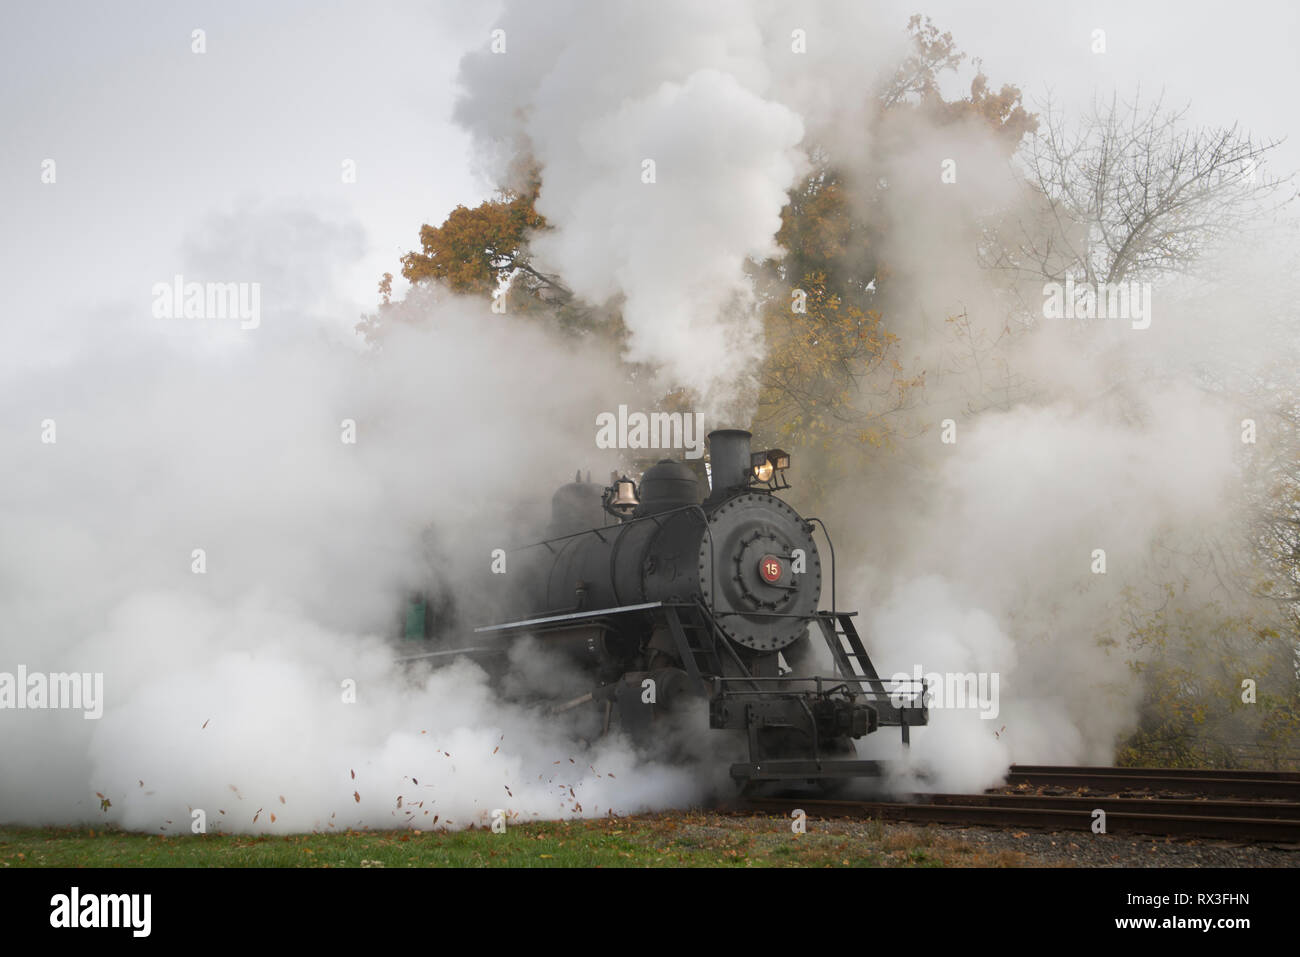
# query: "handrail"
[[831, 546]]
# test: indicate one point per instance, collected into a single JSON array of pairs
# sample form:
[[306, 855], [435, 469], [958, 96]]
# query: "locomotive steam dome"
[[666, 485], [575, 507]]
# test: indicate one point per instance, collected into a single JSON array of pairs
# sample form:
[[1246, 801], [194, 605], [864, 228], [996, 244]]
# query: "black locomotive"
[[668, 597]]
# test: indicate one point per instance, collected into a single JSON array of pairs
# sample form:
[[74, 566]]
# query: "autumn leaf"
[[356, 796]]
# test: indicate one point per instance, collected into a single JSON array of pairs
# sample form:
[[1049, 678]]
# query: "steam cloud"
[[713, 95], [224, 691]]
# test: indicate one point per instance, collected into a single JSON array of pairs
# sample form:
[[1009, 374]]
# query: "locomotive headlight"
[[766, 464]]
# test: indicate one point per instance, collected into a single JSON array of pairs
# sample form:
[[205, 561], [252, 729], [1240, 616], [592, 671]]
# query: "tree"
[[484, 252], [1133, 192], [477, 251], [832, 381]]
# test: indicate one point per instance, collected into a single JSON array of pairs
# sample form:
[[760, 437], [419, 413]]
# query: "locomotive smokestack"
[[728, 459]]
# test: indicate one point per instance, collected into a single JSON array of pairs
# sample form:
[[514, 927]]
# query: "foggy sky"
[[150, 138]]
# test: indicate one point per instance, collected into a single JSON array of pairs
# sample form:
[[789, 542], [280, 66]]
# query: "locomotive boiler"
[[665, 593]]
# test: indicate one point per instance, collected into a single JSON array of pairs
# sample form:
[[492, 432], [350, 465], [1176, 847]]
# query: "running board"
[[530, 623]]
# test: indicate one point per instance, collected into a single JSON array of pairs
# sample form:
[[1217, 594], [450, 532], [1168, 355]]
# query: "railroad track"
[[1267, 784], [1155, 812]]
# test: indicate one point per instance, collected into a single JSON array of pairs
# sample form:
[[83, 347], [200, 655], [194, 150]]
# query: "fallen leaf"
[[205, 724], [354, 774], [356, 797]]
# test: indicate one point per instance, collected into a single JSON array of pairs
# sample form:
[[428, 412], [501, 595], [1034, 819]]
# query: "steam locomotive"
[[671, 600]]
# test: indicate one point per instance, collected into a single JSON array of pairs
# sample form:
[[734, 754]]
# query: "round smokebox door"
[[763, 578]]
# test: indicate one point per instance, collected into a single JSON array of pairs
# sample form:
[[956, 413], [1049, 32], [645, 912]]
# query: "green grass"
[[679, 840]]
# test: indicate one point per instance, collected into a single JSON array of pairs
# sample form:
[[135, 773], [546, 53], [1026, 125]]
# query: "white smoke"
[[228, 690], [979, 555], [712, 96]]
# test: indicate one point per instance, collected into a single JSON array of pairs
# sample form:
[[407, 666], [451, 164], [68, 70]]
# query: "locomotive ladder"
[[854, 663], [701, 646], [697, 645]]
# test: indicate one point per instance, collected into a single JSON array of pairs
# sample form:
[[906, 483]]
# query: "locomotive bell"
[[620, 497]]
